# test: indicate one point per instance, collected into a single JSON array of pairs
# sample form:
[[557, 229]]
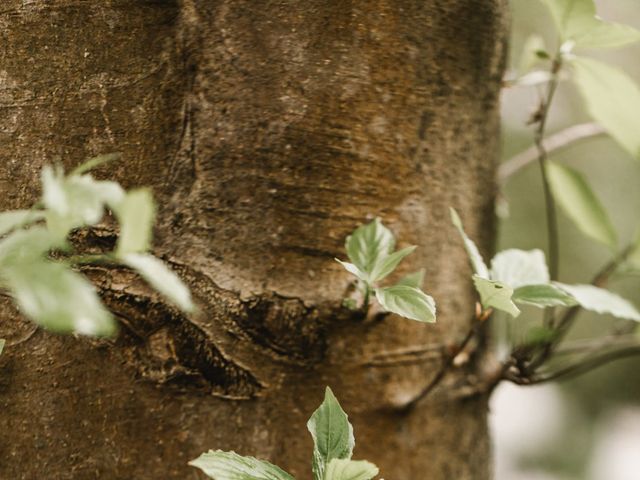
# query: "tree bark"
[[268, 130]]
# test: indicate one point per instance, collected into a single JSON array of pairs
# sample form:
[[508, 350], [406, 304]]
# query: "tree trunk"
[[268, 130]]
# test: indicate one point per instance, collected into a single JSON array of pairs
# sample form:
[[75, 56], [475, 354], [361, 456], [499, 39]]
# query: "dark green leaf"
[[332, 434], [545, 295]]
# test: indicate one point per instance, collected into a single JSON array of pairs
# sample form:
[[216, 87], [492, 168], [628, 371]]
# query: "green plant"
[[333, 447], [371, 249], [39, 266]]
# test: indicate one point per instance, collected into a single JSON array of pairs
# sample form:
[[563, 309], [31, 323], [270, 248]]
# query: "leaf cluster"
[[38, 265], [333, 442], [371, 248]]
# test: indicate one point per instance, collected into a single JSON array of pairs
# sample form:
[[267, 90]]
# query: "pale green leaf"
[[332, 434], [17, 219], [388, 264], [572, 17], [95, 162], [415, 279], [544, 295], [516, 268], [26, 246], [368, 244], [136, 214], [601, 301], [350, 470], [408, 302], [607, 35], [530, 53], [581, 205], [221, 465], [577, 21], [160, 277], [76, 201], [477, 263], [58, 299], [495, 295], [351, 268], [612, 99]]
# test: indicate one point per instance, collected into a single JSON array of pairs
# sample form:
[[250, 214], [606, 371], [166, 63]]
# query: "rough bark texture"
[[268, 130]]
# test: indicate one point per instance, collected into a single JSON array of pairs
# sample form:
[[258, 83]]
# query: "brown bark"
[[268, 130]]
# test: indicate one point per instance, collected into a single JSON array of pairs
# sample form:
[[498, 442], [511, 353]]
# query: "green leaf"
[[576, 21], [158, 275], [546, 295], [75, 201], [601, 301], [388, 264], [607, 35], [572, 17], [221, 465], [369, 244], [26, 246], [58, 299], [351, 268], [332, 434], [350, 470], [530, 53], [415, 279], [495, 295], [612, 98], [95, 162], [2, 342], [408, 302], [477, 263], [136, 214], [17, 219], [517, 268], [581, 205]]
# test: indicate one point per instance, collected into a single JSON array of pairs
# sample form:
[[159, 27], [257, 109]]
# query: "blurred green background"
[[586, 428]]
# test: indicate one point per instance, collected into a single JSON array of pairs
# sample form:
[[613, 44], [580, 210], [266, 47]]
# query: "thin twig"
[[552, 144], [479, 318], [566, 322], [578, 368]]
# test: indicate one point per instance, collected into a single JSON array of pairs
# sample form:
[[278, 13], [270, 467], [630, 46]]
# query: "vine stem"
[[566, 321], [550, 205], [480, 317], [578, 368]]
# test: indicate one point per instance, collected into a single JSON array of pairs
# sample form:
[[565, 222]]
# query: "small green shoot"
[[372, 255], [333, 447]]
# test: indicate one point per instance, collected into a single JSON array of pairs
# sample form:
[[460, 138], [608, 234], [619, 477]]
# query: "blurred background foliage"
[[587, 428]]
